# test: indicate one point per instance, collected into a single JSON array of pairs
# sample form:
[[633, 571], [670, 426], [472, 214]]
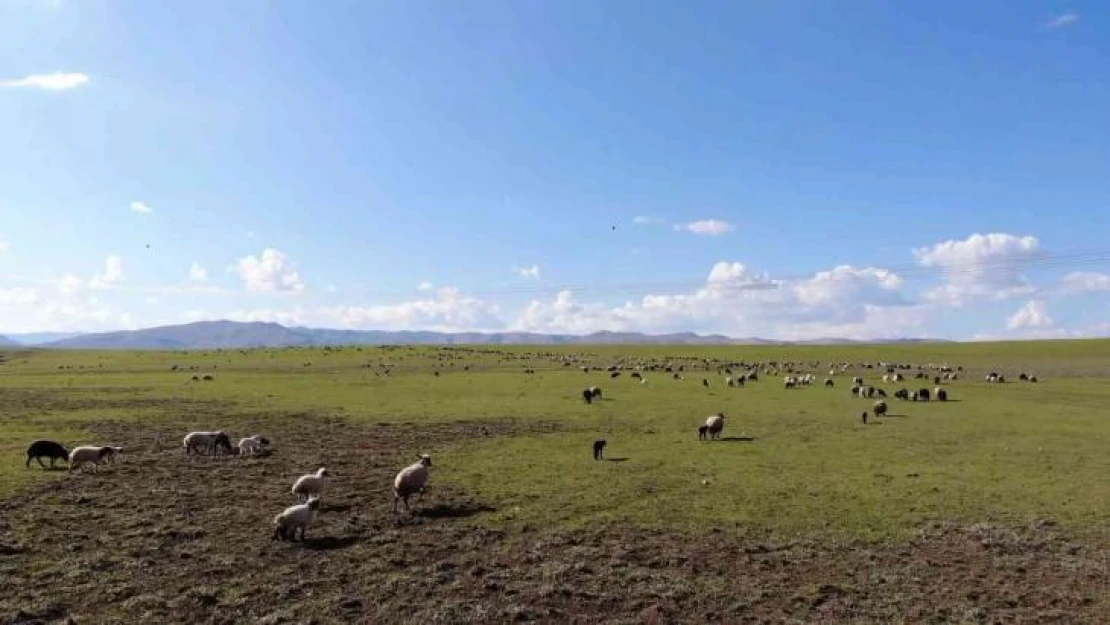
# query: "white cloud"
[[646, 220], [705, 227], [197, 273], [447, 310], [1031, 315], [532, 273], [845, 301], [57, 81], [1085, 282], [269, 273], [18, 296], [1066, 19], [70, 284], [424, 286], [4, 247], [981, 266], [295, 317], [139, 207], [112, 274]]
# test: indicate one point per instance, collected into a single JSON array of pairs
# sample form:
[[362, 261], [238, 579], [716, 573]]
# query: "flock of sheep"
[[309, 488]]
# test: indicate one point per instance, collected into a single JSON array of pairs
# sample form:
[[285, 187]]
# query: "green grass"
[[998, 453]]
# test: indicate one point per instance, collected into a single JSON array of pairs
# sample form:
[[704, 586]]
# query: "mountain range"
[[233, 334]]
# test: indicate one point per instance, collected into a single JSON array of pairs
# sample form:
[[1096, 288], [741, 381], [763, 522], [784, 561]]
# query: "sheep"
[[942, 395], [40, 449], [90, 454], [923, 394], [311, 484], [209, 441], [1032, 378], [828, 383], [295, 517], [599, 449], [702, 429], [863, 417], [880, 393], [714, 424], [728, 381], [705, 382], [858, 381], [595, 391], [879, 408], [411, 479], [587, 396], [253, 445], [902, 394]]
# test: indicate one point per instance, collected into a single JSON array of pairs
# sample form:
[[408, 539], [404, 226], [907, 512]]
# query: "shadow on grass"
[[53, 468], [616, 459], [329, 543], [734, 439], [336, 507], [891, 414], [453, 511]]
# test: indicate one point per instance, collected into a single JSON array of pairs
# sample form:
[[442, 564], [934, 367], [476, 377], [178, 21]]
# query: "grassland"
[[1020, 466]]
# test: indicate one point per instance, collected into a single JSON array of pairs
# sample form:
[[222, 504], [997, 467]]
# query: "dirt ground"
[[158, 538]]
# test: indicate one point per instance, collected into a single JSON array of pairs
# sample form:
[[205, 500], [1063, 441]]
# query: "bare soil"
[[158, 538]]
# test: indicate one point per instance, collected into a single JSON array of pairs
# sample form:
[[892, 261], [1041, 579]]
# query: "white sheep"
[[208, 441], [90, 454], [295, 517], [714, 424], [311, 484], [411, 479], [253, 445]]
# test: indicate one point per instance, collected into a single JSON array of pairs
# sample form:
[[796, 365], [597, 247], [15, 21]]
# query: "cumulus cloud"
[[18, 296], [1066, 19], [981, 266], [1031, 315], [844, 301], [140, 207], [1085, 282], [112, 274], [58, 81], [70, 284], [531, 273], [448, 310], [705, 227], [198, 273], [294, 317], [646, 220], [271, 272], [424, 286], [4, 246]]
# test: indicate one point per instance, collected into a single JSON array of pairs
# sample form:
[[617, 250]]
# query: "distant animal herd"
[[413, 479]]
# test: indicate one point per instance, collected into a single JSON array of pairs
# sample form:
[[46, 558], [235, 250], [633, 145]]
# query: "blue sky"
[[786, 170]]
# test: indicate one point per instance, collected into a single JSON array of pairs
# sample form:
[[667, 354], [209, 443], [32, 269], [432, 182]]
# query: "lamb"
[[411, 479], [311, 484], [599, 449], [40, 449], [209, 441], [942, 395], [587, 396], [828, 383], [90, 454], [714, 424], [923, 394], [595, 392], [253, 445], [702, 429], [879, 408], [295, 517]]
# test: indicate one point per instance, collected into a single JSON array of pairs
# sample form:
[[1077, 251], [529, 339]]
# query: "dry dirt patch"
[[159, 538]]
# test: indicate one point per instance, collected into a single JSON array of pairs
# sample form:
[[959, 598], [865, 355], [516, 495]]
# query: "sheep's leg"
[[43, 465]]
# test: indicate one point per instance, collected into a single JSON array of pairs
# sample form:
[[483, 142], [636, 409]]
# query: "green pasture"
[[996, 453]]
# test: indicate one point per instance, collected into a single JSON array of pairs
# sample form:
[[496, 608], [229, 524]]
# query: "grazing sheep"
[[587, 396], [311, 484], [1023, 376], [858, 381], [411, 479], [615, 374], [595, 391], [40, 449], [936, 379], [923, 394], [702, 429], [880, 393], [253, 445], [89, 454], [295, 517], [828, 383], [856, 391], [902, 394], [599, 449], [208, 441], [728, 381], [879, 408], [715, 424], [705, 382], [1032, 378], [942, 395]]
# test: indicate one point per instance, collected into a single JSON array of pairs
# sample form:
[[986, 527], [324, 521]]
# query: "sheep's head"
[[263, 440], [313, 503], [425, 460], [107, 452], [322, 472], [223, 441]]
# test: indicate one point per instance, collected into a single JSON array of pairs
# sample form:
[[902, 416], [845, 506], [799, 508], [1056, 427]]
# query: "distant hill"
[[37, 338], [232, 334], [7, 342]]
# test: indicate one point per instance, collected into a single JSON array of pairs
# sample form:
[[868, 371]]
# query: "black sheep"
[[599, 449], [46, 449], [587, 396], [702, 431]]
